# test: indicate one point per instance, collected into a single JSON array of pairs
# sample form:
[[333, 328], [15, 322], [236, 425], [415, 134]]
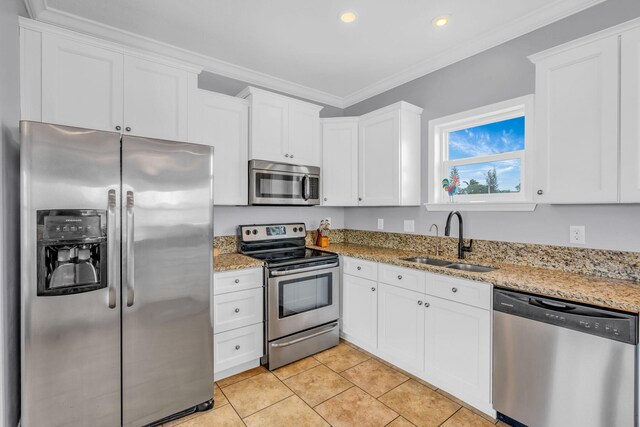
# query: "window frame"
[[439, 130]]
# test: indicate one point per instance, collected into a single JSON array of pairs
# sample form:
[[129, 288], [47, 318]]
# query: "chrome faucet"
[[437, 238], [447, 229]]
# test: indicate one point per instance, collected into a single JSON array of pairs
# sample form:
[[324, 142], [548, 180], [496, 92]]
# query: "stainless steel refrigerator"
[[116, 277]]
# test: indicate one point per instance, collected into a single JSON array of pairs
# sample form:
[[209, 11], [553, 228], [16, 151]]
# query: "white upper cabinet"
[[222, 122], [577, 124], [340, 161], [283, 129], [81, 84], [630, 118], [156, 99], [75, 80], [389, 156]]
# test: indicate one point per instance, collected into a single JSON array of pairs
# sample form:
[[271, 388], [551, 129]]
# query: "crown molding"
[[42, 11]]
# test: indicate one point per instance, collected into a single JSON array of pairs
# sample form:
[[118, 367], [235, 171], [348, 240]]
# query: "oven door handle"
[[303, 270], [297, 340]]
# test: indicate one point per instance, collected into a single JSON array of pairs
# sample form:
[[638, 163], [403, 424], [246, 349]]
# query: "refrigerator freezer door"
[[70, 343], [167, 277]]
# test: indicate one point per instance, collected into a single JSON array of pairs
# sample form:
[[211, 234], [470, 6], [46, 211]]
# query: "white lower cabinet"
[[458, 350], [360, 311], [238, 321], [401, 327], [442, 335]]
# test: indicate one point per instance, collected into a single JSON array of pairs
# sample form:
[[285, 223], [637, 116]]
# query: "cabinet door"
[[378, 166], [269, 128], [156, 99], [82, 84], [223, 122], [340, 162], [577, 125], [304, 134], [458, 349], [401, 327], [359, 311], [630, 118]]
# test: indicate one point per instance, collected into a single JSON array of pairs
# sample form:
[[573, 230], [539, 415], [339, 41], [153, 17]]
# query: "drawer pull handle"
[[419, 302], [237, 280], [399, 277], [454, 290], [237, 347], [373, 289], [426, 304], [359, 268], [237, 310]]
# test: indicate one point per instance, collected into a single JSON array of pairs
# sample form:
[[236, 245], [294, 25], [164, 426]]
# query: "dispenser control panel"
[[71, 227]]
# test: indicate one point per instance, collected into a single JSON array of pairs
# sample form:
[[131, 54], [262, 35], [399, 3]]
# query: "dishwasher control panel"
[[605, 323]]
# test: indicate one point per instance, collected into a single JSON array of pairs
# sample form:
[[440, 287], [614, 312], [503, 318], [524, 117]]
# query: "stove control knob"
[[295, 229], [255, 231], [247, 232]]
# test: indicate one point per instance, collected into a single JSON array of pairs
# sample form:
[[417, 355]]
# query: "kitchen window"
[[486, 152]]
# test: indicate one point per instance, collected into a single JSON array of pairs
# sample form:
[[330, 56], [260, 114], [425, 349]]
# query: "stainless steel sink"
[[429, 261], [470, 267], [448, 264]]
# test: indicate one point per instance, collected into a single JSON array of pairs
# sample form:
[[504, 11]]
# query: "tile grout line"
[[458, 410]]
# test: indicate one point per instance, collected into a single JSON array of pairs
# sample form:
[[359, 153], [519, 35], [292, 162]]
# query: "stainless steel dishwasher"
[[557, 363]]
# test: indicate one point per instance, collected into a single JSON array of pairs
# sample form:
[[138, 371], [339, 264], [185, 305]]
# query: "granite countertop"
[[234, 261], [610, 293]]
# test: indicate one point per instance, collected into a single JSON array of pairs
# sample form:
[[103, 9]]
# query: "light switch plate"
[[409, 225], [380, 224], [577, 234]]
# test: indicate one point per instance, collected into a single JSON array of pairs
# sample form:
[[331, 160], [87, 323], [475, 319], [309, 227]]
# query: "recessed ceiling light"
[[348, 16], [441, 21]]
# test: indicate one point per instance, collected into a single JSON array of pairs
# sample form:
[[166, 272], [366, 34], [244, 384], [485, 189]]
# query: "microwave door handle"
[[305, 187]]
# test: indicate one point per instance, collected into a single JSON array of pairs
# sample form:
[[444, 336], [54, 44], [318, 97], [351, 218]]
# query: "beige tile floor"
[[342, 386]]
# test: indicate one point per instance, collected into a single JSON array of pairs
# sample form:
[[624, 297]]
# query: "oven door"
[[301, 300], [270, 187]]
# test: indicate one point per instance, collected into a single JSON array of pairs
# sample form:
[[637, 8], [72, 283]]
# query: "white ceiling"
[[302, 45]]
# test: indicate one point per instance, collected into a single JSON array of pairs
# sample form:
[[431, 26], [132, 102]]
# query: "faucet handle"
[[468, 248]]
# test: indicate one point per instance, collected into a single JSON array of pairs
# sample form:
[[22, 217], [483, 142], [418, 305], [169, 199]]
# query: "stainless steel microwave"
[[283, 184]]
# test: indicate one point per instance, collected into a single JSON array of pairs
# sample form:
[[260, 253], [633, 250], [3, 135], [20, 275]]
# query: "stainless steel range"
[[302, 293]]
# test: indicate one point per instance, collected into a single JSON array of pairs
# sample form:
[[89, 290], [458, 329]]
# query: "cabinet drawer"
[[236, 347], [360, 268], [407, 278], [237, 309], [477, 294], [237, 280]]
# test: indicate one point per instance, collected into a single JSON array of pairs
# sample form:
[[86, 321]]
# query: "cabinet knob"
[[237, 310], [454, 290], [237, 347], [419, 302], [539, 192], [237, 280], [359, 268], [286, 155], [291, 155], [373, 289], [128, 129], [325, 199], [426, 304], [118, 127], [360, 198], [399, 277]]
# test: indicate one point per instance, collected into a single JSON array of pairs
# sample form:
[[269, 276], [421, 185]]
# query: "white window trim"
[[438, 132]]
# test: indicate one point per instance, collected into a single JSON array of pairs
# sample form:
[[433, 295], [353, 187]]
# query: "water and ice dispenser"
[[72, 251]]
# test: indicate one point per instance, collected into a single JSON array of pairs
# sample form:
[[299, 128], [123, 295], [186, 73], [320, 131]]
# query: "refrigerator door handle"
[[111, 236], [129, 248]]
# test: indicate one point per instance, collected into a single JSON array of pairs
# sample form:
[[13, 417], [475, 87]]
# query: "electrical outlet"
[[409, 225], [380, 224], [577, 234]]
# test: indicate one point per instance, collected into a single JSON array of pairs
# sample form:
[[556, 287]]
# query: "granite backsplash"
[[598, 262]]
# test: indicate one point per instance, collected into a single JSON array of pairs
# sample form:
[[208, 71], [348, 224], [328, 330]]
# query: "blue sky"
[[492, 138]]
